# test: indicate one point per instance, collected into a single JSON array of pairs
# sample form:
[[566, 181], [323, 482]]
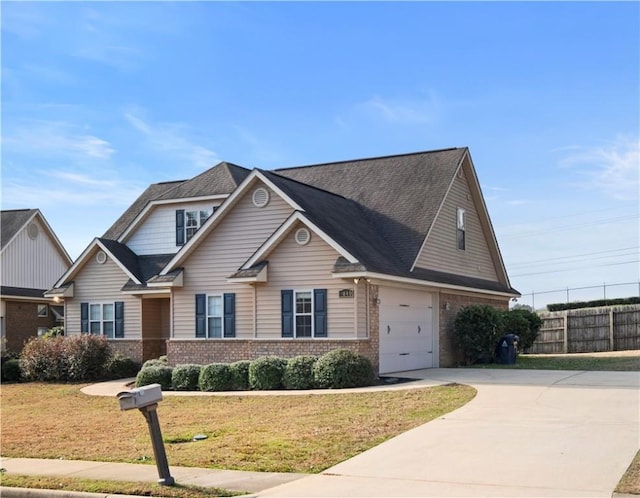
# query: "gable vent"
[[101, 257], [32, 231], [260, 197], [303, 236]]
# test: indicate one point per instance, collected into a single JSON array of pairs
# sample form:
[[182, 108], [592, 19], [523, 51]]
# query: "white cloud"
[[613, 168], [402, 111], [57, 138], [172, 139]]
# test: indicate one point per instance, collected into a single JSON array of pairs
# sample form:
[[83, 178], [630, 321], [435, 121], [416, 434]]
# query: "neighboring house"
[[375, 255], [32, 259]]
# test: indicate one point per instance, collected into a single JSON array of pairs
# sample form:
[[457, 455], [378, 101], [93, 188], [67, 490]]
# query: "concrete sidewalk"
[[528, 433]]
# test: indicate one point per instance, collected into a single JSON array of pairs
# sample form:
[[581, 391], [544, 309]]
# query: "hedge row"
[[334, 370], [592, 304], [68, 359]]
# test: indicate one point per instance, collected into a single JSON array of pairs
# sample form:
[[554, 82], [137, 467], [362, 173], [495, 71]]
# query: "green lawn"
[[580, 361]]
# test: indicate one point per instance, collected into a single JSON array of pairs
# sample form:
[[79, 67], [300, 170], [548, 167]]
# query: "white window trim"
[[102, 320], [221, 316], [295, 314], [45, 307], [199, 221]]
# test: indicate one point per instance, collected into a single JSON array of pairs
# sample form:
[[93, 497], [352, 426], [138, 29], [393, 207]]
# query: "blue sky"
[[100, 99]]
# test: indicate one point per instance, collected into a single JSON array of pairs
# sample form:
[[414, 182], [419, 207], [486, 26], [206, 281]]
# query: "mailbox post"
[[146, 400]]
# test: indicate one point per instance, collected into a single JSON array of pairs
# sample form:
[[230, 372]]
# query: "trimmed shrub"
[[119, 366], [65, 358], [240, 375], [342, 368], [266, 373], [478, 328], [11, 370], [186, 377], [298, 374], [155, 375], [215, 377], [593, 304], [156, 362]]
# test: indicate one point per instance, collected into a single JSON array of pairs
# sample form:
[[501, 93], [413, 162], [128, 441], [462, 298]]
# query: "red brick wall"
[[129, 348], [450, 305], [22, 323]]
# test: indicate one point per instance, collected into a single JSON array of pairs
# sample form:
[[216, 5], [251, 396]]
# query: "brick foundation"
[[129, 348], [22, 323], [450, 305]]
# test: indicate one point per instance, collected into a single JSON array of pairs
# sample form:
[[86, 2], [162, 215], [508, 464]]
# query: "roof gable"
[[12, 222]]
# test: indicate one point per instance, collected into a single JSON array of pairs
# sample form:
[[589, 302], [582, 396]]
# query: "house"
[[374, 255], [32, 259]]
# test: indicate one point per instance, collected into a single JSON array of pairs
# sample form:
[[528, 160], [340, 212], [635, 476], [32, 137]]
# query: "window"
[[461, 229], [215, 315], [188, 223], [304, 313], [103, 319], [43, 310]]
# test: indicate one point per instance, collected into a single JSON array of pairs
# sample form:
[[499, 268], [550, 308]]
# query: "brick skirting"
[[129, 348]]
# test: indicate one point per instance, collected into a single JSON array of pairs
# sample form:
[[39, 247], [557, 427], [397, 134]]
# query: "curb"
[[10, 492]]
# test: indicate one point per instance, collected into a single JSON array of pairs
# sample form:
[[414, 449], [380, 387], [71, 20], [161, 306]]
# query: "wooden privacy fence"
[[589, 330]]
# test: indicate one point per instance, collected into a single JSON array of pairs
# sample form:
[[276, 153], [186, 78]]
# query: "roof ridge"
[[272, 172], [435, 151], [18, 210]]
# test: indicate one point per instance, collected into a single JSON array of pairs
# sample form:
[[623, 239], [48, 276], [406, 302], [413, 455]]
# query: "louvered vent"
[[260, 197], [303, 236], [101, 257], [32, 231]]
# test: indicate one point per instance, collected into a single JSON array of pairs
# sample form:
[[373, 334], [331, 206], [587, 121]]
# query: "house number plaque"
[[345, 293]]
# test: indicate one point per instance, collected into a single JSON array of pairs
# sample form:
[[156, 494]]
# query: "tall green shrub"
[[342, 368], [215, 377], [478, 328], [240, 375], [185, 377], [525, 324], [298, 374], [155, 375]]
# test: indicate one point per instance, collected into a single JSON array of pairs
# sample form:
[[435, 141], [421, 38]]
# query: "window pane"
[[303, 302], [94, 312], [191, 218], [94, 328], [190, 232], [461, 241], [203, 216], [107, 311], [215, 306], [215, 327], [303, 326], [461, 219], [107, 328]]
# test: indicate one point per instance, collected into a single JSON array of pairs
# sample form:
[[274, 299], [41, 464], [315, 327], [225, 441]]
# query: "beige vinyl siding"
[[441, 251], [157, 233], [101, 283], [240, 233], [307, 267], [32, 263]]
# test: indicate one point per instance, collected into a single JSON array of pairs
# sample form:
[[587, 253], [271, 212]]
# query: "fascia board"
[[213, 220], [152, 204], [423, 283], [277, 236]]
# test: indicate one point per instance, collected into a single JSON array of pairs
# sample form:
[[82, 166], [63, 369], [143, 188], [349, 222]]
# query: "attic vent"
[[303, 236], [260, 197], [101, 257], [460, 172], [32, 231]]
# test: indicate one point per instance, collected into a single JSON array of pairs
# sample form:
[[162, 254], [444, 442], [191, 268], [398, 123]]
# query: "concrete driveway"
[[527, 433]]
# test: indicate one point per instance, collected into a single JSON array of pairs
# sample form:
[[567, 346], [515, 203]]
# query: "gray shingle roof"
[[12, 221], [21, 292], [400, 194]]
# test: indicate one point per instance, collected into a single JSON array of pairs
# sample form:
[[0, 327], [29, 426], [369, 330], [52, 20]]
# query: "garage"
[[406, 329]]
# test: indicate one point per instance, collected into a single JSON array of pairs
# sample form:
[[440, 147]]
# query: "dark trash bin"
[[506, 349]]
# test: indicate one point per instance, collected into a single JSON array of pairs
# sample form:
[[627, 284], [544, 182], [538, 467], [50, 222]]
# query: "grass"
[[578, 361], [304, 434], [630, 482], [112, 487]]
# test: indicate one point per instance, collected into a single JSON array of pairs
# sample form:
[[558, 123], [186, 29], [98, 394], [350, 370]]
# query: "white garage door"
[[406, 330]]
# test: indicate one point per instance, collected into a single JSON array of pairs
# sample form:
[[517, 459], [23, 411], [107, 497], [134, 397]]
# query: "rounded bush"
[[215, 377], [156, 362], [525, 324], [342, 368], [186, 377], [298, 374], [266, 373], [478, 328], [121, 367], [11, 370], [155, 375], [240, 375]]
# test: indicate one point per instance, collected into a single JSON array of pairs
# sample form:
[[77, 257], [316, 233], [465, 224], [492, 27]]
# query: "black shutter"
[[229, 315], [201, 315], [119, 333], [180, 227], [320, 312], [84, 317], [287, 313]]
